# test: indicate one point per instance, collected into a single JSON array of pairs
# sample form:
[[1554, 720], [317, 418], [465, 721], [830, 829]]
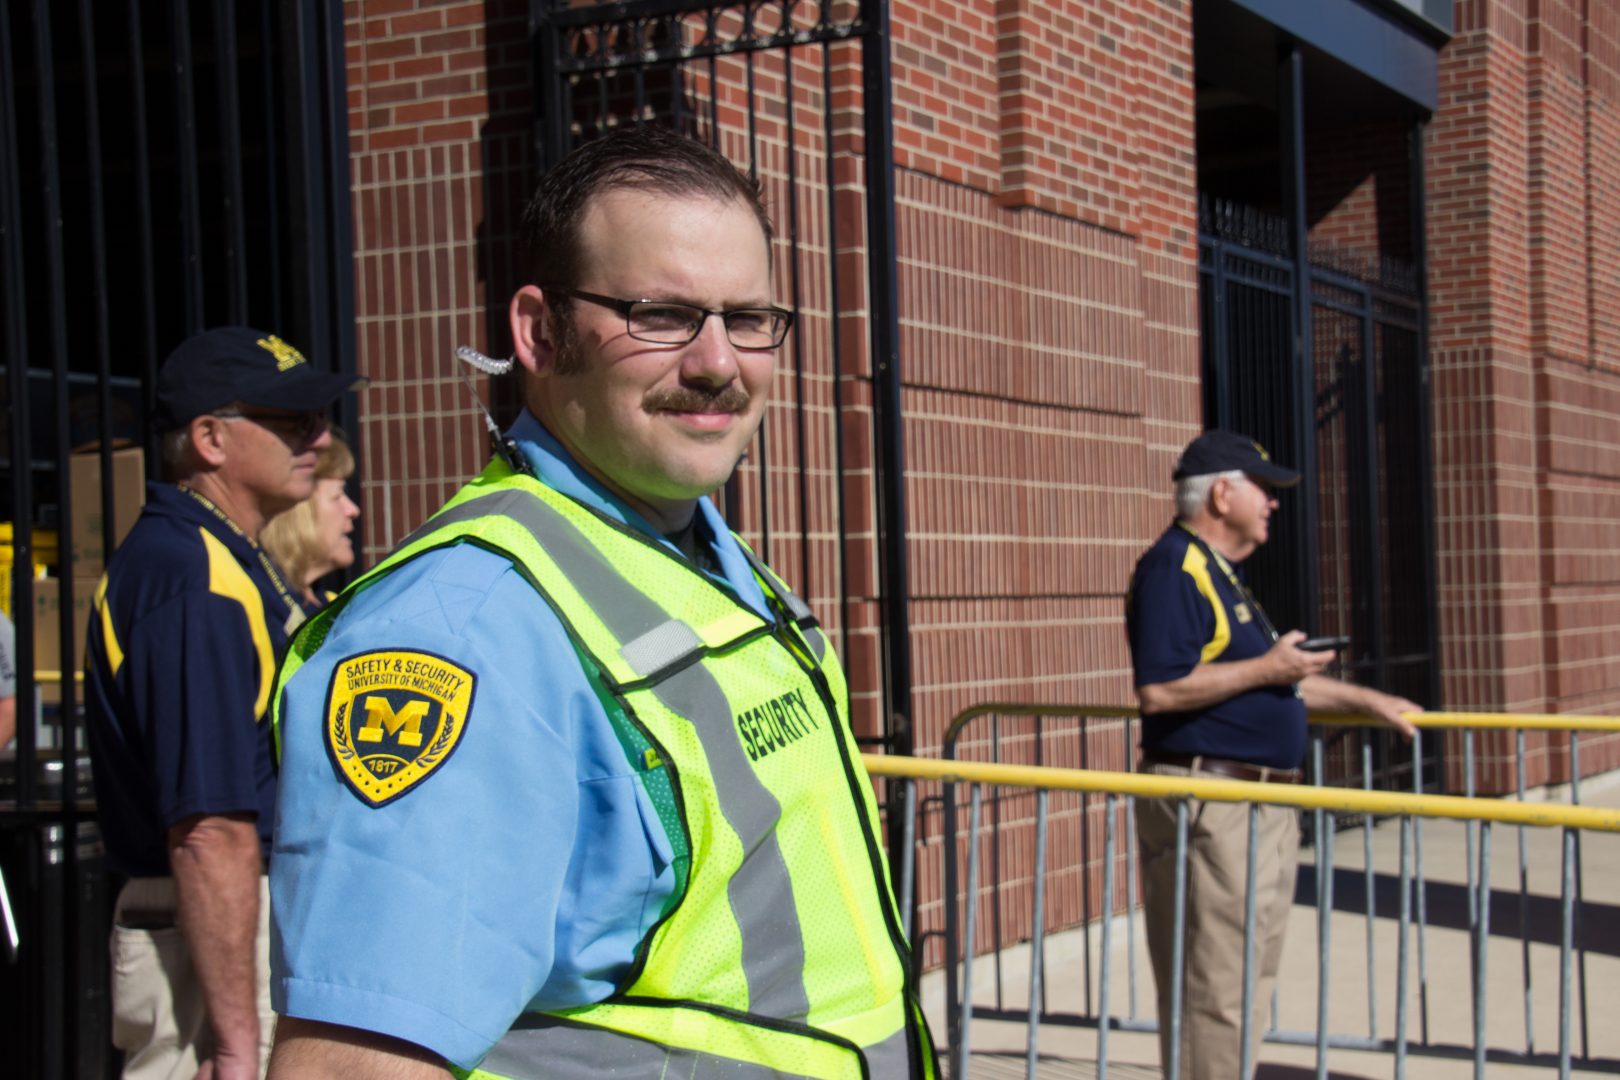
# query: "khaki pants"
[[1217, 866], [159, 1019]]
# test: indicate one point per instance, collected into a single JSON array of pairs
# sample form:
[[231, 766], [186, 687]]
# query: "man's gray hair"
[[1192, 492]]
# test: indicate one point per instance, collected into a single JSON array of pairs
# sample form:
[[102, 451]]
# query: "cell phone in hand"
[[1323, 644]]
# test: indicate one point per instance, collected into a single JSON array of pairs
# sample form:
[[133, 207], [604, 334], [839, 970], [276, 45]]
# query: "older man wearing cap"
[[188, 625], [1222, 695]]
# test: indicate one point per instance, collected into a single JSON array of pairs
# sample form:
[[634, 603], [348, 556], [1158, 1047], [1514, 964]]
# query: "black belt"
[[1237, 770]]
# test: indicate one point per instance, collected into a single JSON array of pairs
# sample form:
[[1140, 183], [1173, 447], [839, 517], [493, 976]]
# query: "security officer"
[[569, 786], [189, 622], [1222, 695]]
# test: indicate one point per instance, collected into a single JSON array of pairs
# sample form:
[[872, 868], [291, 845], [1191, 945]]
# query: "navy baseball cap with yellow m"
[[239, 365], [1218, 451]]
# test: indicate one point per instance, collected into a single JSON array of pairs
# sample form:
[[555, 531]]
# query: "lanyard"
[[295, 610], [1231, 575]]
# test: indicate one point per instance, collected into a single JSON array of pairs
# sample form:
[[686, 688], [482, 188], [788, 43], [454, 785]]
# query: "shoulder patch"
[[393, 717]]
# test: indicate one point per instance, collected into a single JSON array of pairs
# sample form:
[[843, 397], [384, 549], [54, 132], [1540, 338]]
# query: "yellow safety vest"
[[780, 952]]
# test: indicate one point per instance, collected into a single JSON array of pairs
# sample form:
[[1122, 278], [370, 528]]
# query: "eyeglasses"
[[665, 323], [302, 428]]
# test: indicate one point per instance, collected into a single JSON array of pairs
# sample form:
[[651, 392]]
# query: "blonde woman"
[[313, 538]]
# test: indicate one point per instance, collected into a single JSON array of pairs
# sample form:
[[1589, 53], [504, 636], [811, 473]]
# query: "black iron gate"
[[1252, 385], [800, 93], [1374, 504], [165, 165], [1351, 550]]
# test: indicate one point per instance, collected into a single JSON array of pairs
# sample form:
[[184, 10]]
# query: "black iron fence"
[[1253, 385], [1351, 550], [165, 165], [798, 93]]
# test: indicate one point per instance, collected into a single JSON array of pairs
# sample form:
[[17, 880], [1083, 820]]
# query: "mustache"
[[726, 399]]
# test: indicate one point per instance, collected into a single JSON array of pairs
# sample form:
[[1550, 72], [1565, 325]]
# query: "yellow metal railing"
[[1426, 720], [1477, 720], [1305, 797]]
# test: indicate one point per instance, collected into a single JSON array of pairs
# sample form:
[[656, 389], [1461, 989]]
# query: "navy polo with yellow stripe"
[[186, 631], [1184, 610]]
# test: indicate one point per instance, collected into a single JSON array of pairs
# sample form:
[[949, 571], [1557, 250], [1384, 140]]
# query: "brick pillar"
[[439, 153], [1524, 482]]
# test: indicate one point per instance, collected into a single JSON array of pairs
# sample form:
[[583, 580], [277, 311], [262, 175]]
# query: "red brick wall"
[[1520, 230], [946, 115], [1554, 76], [1025, 450], [1047, 244], [1601, 164], [1358, 186], [1049, 338], [1068, 78], [438, 122], [1087, 114], [1578, 386]]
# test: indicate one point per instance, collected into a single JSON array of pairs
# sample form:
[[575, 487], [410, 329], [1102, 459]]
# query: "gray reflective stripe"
[[661, 647], [494, 504], [569, 1051], [628, 613], [892, 1056], [817, 640], [761, 893], [797, 608], [446, 517]]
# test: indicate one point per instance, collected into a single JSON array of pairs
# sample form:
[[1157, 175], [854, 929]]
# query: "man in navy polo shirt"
[[1222, 695], [188, 625]]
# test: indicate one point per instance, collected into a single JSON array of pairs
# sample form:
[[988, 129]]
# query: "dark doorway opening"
[[1313, 316]]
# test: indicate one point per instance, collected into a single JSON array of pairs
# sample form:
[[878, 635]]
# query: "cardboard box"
[[129, 495], [48, 631], [44, 557]]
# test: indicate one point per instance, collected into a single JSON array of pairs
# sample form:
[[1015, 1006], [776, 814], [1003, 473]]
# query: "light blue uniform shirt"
[[518, 876]]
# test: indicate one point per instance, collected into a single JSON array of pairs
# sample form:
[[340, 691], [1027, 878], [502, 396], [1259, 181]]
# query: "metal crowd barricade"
[[1469, 723], [1119, 789]]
